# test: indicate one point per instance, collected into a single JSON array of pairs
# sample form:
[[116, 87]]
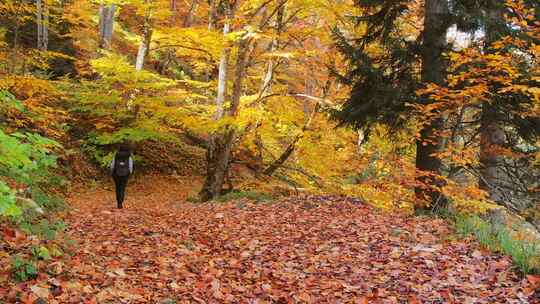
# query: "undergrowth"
[[237, 195], [525, 254], [29, 198], [250, 195]]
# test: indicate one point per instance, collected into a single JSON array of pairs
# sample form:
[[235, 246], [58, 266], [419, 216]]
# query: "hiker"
[[121, 168]]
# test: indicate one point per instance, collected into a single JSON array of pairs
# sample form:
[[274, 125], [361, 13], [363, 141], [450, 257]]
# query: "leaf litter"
[[306, 249]]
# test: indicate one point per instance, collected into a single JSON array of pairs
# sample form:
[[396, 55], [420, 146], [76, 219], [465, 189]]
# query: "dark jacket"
[[122, 155]]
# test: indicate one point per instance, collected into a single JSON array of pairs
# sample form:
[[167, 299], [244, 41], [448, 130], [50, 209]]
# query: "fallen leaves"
[[40, 291], [338, 251]]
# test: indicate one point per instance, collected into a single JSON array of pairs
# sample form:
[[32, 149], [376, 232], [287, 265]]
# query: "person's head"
[[124, 148]]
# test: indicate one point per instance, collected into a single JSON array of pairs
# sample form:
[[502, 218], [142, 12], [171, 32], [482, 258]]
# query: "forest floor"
[[309, 249]]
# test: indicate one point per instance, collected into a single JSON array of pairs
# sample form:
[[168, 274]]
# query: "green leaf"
[[43, 253], [8, 100]]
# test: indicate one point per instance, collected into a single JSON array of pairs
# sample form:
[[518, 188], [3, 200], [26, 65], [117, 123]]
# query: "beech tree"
[[220, 144]]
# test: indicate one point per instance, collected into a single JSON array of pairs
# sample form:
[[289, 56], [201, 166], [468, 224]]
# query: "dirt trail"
[[299, 250]]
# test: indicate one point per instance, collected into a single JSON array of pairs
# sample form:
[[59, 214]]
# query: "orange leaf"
[[534, 280], [413, 300], [363, 300]]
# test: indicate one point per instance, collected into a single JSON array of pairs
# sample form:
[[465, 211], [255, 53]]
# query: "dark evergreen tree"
[[382, 85]]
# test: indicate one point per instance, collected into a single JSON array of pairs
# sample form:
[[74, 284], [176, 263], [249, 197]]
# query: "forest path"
[[298, 250]]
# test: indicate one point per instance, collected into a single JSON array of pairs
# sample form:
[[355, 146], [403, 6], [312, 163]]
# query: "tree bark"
[[42, 13], [492, 135], [191, 13], [221, 142], [144, 48], [39, 12], [106, 25], [436, 24], [217, 154], [211, 26], [173, 11], [222, 75], [170, 53], [360, 141], [212, 14], [274, 45], [102, 21]]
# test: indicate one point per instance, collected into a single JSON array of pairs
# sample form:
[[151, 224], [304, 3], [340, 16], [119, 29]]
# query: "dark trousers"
[[120, 183]]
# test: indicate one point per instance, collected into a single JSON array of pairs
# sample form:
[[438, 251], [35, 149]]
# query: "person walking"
[[121, 168]]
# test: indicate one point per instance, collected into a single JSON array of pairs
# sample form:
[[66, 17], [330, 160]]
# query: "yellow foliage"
[[389, 197], [116, 69]]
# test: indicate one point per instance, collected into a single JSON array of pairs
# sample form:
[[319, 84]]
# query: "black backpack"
[[121, 164]]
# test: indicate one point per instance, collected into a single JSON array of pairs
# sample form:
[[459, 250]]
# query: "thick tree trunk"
[[221, 143], [42, 13], [436, 24], [217, 154], [106, 25], [141, 55], [492, 135], [109, 28]]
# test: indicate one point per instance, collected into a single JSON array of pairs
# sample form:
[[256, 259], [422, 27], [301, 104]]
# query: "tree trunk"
[[144, 48], [106, 25], [173, 11], [39, 12], [46, 27], [492, 135], [274, 45], [211, 26], [360, 141], [110, 25], [102, 21], [170, 53], [42, 12], [191, 13], [436, 24], [221, 143], [269, 75], [212, 14], [222, 75], [217, 154]]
